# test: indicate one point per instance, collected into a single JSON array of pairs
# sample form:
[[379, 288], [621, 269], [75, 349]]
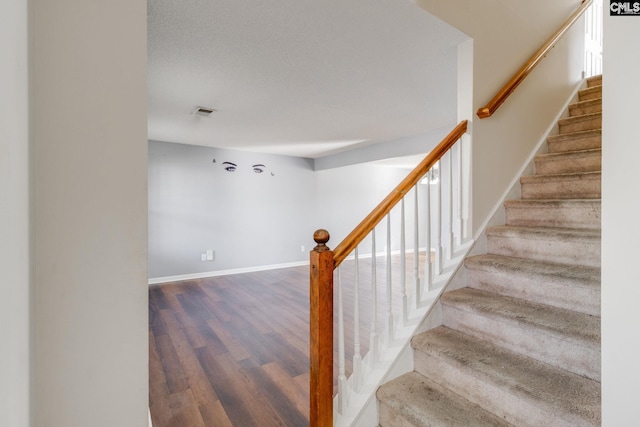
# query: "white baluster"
[[389, 317], [343, 393], [403, 266], [357, 357], [373, 344], [428, 266], [458, 148], [416, 250], [437, 210], [449, 225], [465, 146]]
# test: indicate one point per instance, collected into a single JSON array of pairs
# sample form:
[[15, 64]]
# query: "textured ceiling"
[[298, 77]]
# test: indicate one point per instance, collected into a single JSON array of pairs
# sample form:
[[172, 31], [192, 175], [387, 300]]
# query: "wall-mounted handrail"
[[349, 243], [503, 94]]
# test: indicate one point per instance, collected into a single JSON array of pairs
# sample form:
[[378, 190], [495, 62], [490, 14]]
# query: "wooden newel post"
[[321, 331]]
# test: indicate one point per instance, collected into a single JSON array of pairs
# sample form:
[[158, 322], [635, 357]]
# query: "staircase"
[[520, 345]]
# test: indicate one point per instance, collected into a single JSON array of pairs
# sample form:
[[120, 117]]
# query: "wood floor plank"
[[155, 365], [201, 388], [214, 415], [170, 293], [240, 395], [211, 338], [183, 410], [274, 395], [158, 392], [292, 360], [195, 338], [232, 400], [171, 366], [295, 392], [236, 349], [161, 414]]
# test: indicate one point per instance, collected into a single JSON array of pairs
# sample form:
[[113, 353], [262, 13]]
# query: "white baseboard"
[[191, 276], [167, 279]]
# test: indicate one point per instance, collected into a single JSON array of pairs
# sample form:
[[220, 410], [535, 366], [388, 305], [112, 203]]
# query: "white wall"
[[408, 146], [505, 33], [346, 195], [620, 234], [14, 216], [90, 209]]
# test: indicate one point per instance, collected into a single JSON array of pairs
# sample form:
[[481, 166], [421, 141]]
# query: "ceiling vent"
[[203, 111]]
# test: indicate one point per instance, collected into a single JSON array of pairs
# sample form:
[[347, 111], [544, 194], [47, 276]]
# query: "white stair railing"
[[433, 229]]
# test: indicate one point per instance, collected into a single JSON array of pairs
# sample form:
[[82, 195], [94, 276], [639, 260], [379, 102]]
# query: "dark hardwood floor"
[[234, 350]]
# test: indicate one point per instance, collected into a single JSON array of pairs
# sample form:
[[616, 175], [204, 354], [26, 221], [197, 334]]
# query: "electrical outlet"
[[209, 254], [301, 248], [203, 257]]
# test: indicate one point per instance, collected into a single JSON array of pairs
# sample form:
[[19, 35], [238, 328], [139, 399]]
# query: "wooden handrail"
[[379, 212], [503, 94]]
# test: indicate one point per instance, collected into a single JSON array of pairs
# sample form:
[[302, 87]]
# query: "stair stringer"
[[403, 362]]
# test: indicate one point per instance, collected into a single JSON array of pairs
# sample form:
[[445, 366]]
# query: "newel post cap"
[[321, 237]]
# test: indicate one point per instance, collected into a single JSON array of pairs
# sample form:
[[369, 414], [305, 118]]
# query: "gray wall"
[[249, 220], [620, 233], [89, 215], [15, 324]]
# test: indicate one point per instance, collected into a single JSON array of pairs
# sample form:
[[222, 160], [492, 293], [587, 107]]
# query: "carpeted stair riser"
[[566, 186], [593, 92], [580, 123], [560, 245], [562, 338], [523, 391], [573, 162], [402, 403], [564, 286], [572, 213], [594, 81], [586, 140]]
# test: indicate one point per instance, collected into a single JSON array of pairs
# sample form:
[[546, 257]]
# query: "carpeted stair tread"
[[583, 185], [560, 285], [580, 123], [523, 391], [572, 141], [561, 245], [554, 177], [586, 107], [413, 400], [590, 93], [569, 162], [563, 338], [561, 213]]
